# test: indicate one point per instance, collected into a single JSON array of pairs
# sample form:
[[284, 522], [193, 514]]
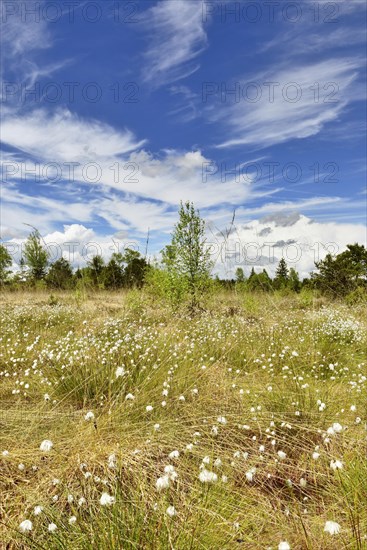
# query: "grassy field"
[[125, 426]]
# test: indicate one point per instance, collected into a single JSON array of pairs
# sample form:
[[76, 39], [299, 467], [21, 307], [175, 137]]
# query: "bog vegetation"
[[180, 411]]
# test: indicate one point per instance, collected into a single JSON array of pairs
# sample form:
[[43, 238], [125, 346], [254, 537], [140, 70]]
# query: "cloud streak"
[[124, 166], [176, 38], [64, 136], [297, 109]]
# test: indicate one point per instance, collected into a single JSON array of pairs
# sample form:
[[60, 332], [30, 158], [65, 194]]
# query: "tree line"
[[123, 270], [184, 272]]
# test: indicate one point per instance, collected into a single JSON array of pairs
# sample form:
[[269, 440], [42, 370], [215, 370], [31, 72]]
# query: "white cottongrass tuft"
[[282, 455], [107, 500], [337, 427], [170, 470], [174, 454], [120, 371], [162, 483], [207, 477], [112, 461], [37, 510], [46, 445], [336, 465], [25, 526], [284, 545], [250, 474], [171, 511], [149, 408], [332, 527], [52, 527], [72, 520], [89, 416]]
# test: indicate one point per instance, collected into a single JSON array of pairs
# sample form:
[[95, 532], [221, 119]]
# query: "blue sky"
[[257, 107]]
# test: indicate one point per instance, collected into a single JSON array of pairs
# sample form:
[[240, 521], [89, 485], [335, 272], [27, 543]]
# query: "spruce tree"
[[281, 275]]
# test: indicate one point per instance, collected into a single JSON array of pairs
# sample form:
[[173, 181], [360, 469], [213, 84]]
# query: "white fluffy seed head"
[[107, 500], [46, 445], [25, 526], [332, 527]]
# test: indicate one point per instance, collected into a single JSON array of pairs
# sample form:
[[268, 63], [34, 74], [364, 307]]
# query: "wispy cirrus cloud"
[[108, 210], [340, 28], [21, 34], [146, 198], [64, 136], [296, 43], [322, 207], [297, 108], [188, 109], [348, 6], [314, 55], [176, 37], [124, 166], [25, 33]]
